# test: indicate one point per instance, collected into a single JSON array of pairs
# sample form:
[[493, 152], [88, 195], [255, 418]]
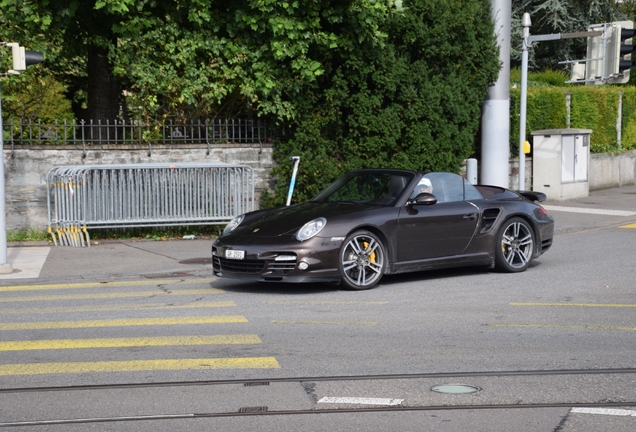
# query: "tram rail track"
[[328, 378], [264, 411]]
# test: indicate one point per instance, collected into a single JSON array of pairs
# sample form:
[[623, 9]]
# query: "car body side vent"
[[489, 216]]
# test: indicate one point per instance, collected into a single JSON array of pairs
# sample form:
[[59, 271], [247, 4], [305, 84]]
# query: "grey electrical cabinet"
[[560, 162]]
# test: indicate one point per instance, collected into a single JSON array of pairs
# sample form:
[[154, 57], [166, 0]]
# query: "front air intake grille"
[[281, 268], [239, 266]]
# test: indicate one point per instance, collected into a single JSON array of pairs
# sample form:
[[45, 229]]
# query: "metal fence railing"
[[144, 195], [135, 132]]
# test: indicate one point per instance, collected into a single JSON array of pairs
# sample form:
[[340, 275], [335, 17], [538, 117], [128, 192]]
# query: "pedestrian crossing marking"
[[48, 325], [140, 365], [104, 284], [323, 302], [628, 226], [111, 295], [139, 307], [325, 322], [247, 339]]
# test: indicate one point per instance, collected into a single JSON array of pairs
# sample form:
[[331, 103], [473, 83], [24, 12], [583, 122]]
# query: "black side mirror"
[[424, 199]]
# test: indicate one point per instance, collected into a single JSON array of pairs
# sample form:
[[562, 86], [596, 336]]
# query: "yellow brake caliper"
[[372, 256]]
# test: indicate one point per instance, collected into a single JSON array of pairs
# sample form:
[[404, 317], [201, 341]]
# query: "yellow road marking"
[[325, 322], [586, 327], [628, 226], [616, 305], [111, 295], [129, 342], [292, 302], [153, 306], [140, 365], [47, 325], [104, 284]]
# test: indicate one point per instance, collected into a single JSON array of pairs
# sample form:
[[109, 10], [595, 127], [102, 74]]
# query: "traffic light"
[[618, 58], [23, 58]]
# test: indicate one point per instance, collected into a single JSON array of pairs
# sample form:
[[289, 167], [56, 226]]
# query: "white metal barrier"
[[144, 195]]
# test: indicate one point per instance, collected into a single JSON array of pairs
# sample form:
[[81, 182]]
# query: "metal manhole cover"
[[197, 261], [455, 388]]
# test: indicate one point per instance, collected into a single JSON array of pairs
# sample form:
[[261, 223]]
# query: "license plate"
[[234, 254]]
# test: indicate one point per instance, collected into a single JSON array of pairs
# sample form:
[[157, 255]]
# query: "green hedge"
[[592, 107]]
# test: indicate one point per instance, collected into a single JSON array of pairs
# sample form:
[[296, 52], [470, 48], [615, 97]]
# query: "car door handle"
[[472, 216]]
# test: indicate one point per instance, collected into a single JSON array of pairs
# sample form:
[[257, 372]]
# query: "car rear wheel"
[[515, 246], [361, 261]]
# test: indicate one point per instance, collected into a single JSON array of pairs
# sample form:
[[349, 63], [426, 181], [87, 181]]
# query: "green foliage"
[[28, 235], [592, 107], [546, 78], [32, 96], [596, 109], [412, 102], [559, 16], [628, 138]]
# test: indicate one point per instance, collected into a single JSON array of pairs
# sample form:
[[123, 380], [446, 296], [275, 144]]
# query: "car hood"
[[288, 220]]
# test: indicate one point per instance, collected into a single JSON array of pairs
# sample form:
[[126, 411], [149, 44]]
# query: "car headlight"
[[310, 229], [233, 224]]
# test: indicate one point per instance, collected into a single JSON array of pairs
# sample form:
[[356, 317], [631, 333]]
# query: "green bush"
[[592, 107], [413, 101]]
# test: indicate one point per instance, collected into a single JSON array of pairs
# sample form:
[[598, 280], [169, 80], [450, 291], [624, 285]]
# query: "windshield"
[[367, 187]]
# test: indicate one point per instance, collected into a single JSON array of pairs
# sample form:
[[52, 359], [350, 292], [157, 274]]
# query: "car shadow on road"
[[387, 280]]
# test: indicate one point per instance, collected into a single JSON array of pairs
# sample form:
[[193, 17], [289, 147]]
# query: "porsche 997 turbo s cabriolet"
[[374, 222]]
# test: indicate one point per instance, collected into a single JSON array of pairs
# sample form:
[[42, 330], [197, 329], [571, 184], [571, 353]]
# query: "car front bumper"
[[314, 260]]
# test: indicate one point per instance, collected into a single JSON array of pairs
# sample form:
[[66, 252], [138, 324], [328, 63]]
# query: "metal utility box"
[[560, 163]]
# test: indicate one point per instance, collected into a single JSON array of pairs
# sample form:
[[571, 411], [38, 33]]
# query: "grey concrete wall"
[[608, 170], [26, 169]]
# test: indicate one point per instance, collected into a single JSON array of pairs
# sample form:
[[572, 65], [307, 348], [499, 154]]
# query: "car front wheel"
[[515, 246], [361, 261]]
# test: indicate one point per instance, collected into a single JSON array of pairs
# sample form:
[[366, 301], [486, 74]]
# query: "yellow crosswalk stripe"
[[111, 295], [247, 339], [223, 319], [109, 284], [614, 305], [558, 326], [137, 307], [324, 302], [140, 365], [325, 322]]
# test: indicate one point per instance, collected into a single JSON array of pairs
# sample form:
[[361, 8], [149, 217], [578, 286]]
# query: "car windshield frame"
[[367, 187]]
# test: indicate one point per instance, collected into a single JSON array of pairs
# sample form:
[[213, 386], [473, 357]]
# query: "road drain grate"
[[252, 409], [256, 383], [196, 261]]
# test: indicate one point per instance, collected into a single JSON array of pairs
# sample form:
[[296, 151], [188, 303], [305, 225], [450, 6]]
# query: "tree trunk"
[[103, 95]]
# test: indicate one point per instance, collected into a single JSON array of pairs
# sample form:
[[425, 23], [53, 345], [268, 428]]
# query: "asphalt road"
[[546, 349]]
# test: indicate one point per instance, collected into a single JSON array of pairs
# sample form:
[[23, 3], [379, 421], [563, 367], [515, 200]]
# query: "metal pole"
[[5, 267], [525, 23], [296, 160], [495, 123]]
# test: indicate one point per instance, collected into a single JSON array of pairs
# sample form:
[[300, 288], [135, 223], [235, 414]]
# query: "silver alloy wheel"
[[362, 260], [517, 244]]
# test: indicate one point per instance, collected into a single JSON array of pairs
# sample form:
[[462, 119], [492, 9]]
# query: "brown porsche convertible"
[[374, 222]]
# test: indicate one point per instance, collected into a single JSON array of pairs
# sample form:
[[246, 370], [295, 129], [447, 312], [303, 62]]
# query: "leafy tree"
[[560, 16], [192, 58]]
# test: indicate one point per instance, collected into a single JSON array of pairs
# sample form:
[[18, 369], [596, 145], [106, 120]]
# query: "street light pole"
[[525, 23], [5, 267]]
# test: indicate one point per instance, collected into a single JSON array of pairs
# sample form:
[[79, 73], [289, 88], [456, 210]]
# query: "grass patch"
[[149, 233]]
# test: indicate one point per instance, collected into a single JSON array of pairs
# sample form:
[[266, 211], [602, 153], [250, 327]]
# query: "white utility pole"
[[495, 123]]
